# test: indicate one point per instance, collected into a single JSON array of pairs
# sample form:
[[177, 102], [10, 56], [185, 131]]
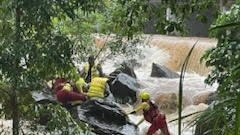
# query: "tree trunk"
[[14, 100], [15, 113]]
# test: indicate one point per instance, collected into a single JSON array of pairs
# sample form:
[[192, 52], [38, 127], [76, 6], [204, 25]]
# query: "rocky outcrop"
[[106, 118], [127, 68], [124, 88], [162, 71]]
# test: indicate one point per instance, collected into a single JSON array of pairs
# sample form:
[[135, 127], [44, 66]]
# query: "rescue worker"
[[80, 86], [91, 70], [67, 96], [58, 84], [152, 115], [98, 88]]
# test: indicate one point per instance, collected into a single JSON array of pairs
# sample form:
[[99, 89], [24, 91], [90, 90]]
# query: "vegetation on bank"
[[40, 39], [225, 60]]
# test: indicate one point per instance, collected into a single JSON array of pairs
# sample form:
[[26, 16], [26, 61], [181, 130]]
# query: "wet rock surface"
[[124, 88], [106, 118], [162, 71], [127, 68]]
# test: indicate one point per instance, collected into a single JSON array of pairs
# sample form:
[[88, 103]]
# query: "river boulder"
[[126, 67], [124, 88], [162, 71], [106, 117]]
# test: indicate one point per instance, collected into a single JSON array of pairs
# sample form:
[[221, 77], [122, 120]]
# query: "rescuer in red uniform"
[[152, 115]]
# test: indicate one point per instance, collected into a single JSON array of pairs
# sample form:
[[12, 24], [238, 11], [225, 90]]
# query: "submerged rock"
[[206, 97], [168, 102], [162, 71], [106, 118], [124, 88]]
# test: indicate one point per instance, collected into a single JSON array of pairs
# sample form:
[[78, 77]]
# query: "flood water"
[[171, 52]]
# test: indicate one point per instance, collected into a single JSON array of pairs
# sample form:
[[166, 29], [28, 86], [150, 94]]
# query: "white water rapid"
[[193, 83]]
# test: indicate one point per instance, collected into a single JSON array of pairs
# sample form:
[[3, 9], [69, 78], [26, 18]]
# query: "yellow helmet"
[[144, 95], [67, 87]]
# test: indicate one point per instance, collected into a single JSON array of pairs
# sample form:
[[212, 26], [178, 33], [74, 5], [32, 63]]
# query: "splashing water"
[[192, 85]]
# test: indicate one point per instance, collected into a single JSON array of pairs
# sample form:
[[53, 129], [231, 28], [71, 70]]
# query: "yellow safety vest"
[[80, 83], [97, 87], [94, 71]]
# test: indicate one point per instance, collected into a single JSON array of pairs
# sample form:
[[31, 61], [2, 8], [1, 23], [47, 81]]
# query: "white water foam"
[[192, 85]]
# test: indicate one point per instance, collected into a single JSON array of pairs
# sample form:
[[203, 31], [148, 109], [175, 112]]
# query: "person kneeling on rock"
[[67, 96], [80, 86], [152, 115]]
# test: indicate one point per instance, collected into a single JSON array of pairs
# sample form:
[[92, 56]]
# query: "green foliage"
[[129, 17], [180, 10], [126, 18], [51, 116], [212, 122], [33, 50], [39, 40], [225, 62]]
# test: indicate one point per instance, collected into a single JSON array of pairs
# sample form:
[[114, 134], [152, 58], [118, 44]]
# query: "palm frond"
[[228, 25], [183, 70]]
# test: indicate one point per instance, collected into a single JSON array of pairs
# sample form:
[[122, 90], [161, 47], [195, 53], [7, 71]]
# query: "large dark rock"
[[126, 67], [124, 88], [106, 118], [162, 71]]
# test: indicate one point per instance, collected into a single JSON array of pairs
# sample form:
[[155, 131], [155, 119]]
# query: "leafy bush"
[[225, 60]]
